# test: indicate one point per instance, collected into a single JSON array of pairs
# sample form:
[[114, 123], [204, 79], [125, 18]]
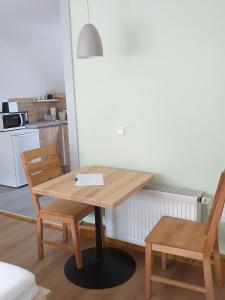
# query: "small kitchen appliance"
[[12, 121], [8, 107]]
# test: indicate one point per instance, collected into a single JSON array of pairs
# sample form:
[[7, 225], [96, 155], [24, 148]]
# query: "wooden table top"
[[119, 184]]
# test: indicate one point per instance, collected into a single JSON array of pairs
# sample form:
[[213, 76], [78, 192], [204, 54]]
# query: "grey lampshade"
[[89, 42]]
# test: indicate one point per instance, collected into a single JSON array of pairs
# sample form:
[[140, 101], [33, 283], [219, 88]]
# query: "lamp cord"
[[88, 11]]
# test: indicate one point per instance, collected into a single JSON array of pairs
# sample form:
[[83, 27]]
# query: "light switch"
[[121, 131]]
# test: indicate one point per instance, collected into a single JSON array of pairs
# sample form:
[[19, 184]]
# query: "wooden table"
[[99, 262]]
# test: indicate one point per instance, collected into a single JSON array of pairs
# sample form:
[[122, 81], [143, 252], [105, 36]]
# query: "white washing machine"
[[12, 144]]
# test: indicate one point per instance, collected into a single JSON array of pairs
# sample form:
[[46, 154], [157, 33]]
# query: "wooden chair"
[[41, 165], [190, 240]]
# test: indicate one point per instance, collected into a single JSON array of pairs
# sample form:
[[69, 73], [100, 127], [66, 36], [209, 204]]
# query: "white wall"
[[30, 69], [162, 77], [48, 60]]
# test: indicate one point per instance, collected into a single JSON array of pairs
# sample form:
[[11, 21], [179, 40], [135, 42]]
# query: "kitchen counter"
[[41, 124]]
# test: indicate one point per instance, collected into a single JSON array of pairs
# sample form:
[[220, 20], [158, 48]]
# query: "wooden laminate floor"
[[18, 246]]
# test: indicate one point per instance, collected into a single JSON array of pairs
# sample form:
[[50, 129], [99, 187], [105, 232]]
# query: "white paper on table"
[[89, 179]]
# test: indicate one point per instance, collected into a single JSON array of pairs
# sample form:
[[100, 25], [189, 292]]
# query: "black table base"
[[116, 268]]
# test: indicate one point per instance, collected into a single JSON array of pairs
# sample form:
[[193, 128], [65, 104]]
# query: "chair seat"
[[178, 233], [67, 208]]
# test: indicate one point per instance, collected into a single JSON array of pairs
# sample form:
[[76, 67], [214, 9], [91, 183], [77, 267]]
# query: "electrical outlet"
[[121, 131]]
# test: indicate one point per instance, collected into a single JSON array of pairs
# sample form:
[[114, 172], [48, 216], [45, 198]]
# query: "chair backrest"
[[215, 216], [40, 165]]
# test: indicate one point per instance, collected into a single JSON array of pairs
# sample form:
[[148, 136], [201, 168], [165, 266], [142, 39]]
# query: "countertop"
[[41, 124]]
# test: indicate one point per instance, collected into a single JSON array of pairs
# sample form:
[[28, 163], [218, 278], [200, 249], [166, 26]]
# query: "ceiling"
[[29, 20]]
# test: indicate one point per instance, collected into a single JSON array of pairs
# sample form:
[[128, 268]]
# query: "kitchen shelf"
[[45, 100]]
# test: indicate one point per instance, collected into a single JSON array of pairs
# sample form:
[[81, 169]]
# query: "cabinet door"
[[58, 137], [21, 143], [52, 136]]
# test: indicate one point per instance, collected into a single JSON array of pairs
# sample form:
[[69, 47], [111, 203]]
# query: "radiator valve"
[[206, 200]]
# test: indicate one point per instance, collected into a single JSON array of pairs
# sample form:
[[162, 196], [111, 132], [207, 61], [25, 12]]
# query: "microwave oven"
[[12, 121]]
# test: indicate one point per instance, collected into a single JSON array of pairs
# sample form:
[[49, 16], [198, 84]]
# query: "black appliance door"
[[11, 121]]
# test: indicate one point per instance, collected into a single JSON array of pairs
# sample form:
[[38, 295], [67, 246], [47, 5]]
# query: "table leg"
[[98, 234], [103, 267]]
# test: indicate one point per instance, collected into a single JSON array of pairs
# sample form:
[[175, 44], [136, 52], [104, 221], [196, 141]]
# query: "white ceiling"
[[29, 20]]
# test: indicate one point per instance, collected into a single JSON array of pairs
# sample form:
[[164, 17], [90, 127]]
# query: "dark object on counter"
[[5, 107], [49, 95]]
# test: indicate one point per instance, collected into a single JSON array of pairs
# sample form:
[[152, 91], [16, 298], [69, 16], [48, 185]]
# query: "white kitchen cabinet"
[[13, 143]]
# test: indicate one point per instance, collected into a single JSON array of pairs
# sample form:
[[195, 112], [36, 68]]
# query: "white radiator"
[[134, 218]]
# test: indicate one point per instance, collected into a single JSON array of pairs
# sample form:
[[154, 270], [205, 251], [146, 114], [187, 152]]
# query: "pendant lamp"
[[89, 41]]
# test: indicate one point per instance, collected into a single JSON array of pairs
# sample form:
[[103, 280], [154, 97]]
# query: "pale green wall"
[[162, 77]]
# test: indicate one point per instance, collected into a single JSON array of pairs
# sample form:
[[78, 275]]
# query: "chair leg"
[[163, 261], [40, 238], [217, 262], [76, 244], [65, 233], [148, 269], [208, 278]]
